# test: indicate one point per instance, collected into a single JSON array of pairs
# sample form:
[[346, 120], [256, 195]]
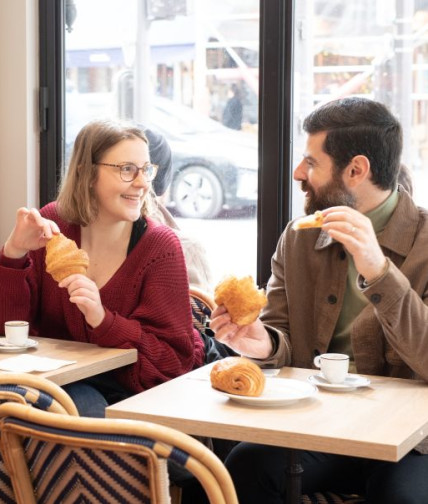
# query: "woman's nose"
[[141, 180]]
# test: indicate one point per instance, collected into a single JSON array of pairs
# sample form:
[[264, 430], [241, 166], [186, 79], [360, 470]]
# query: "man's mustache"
[[305, 186]]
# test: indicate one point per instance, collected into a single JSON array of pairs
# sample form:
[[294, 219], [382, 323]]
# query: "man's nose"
[[300, 172]]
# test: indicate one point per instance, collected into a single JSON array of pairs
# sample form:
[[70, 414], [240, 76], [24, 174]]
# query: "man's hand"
[[251, 340], [355, 231]]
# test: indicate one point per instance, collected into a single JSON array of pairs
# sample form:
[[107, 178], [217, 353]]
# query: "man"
[[232, 114], [357, 286]]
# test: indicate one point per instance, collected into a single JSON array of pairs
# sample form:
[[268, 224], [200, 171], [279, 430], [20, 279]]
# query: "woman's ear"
[[357, 171]]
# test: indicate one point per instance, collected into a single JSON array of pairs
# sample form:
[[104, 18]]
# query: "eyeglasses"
[[129, 172]]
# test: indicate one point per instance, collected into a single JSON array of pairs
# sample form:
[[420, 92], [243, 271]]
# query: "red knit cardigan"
[[146, 301]]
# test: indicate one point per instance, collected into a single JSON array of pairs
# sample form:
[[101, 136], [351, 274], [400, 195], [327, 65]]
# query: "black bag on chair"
[[214, 350]]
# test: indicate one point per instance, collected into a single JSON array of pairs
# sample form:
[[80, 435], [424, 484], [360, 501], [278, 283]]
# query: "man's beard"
[[333, 193]]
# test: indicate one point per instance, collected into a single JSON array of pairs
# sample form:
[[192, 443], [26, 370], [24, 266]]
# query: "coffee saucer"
[[352, 382], [7, 347]]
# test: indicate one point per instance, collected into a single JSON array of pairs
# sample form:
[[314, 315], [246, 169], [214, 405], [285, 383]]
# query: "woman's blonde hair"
[[76, 200]]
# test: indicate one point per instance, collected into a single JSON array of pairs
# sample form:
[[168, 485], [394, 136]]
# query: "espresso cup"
[[16, 332], [334, 366]]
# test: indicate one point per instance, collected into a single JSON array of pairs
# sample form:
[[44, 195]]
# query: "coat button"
[[375, 298], [332, 299]]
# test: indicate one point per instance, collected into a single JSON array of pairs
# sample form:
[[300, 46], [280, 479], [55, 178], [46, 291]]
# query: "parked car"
[[214, 167]]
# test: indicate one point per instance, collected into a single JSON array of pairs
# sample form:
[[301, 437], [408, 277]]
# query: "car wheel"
[[197, 192]]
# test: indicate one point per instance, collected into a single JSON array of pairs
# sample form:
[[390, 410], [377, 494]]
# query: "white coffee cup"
[[16, 332], [334, 366]]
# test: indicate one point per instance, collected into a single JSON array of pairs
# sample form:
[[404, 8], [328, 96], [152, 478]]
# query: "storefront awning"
[[113, 57]]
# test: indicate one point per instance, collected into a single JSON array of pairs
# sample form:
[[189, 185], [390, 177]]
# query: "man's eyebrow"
[[307, 157]]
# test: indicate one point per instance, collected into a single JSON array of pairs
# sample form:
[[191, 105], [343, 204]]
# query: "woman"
[[135, 294]]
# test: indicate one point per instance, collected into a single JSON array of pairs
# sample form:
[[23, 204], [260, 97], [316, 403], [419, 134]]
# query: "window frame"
[[51, 99], [275, 128]]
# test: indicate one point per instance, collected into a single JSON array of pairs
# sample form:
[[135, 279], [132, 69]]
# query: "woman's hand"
[[31, 232], [85, 295], [251, 340]]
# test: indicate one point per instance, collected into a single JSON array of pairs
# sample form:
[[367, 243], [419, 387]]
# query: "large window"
[[210, 75], [321, 49], [188, 70], [372, 48]]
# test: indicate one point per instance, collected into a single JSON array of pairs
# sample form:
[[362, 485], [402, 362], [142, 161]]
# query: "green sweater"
[[354, 300]]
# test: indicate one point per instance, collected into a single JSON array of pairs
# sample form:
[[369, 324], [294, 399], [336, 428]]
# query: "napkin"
[[28, 363]]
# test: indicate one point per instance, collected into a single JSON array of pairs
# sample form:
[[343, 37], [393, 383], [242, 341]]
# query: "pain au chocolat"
[[238, 375]]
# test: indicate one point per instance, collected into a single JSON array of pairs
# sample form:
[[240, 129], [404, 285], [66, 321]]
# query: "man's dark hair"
[[358, 126]]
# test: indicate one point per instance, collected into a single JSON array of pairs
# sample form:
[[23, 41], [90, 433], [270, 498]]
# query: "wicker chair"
[[51, 459], [31, 391], [202, 305]]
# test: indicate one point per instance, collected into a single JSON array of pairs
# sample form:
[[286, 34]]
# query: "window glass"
[[189, 70], [372, 48]]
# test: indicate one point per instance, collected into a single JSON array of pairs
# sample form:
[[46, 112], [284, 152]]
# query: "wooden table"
[[383, 421], [90, 359]]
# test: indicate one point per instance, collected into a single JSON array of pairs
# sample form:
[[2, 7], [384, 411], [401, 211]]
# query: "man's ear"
[[357, 171]]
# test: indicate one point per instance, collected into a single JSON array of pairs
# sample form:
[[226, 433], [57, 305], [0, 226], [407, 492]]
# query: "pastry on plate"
[[238, 375]]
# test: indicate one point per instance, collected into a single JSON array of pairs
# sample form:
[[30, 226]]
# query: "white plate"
[[277, 392], [351, 382], [6, 347], [270, 372]]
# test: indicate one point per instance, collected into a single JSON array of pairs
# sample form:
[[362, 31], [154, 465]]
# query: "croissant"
[[238, 375], [241, 299], [309, 221], [64, 258]]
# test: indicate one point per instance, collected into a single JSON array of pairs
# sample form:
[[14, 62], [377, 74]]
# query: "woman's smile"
[[130, 197]]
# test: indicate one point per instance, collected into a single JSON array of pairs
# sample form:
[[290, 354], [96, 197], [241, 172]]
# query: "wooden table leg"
[[294, 478]]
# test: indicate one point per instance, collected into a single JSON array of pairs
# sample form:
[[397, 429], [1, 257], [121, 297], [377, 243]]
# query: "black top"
[[138, 229]]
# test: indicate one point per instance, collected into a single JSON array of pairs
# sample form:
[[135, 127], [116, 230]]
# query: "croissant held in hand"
[[64, 258], [241, 299], [238, 375], [315, 220]]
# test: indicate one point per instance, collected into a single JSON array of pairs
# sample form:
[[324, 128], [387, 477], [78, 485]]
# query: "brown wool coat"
[[306, 289]]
